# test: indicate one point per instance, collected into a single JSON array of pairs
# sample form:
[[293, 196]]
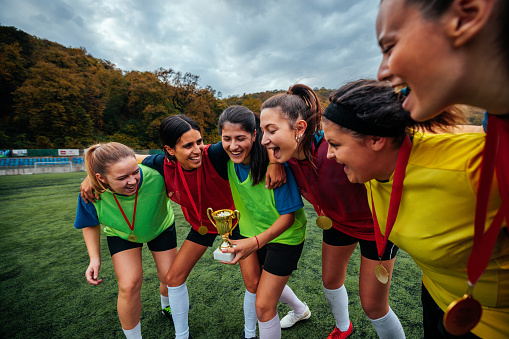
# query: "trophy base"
[[219, 255]]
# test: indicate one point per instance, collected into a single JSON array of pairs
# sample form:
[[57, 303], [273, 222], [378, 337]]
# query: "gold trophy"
[[224, 224]]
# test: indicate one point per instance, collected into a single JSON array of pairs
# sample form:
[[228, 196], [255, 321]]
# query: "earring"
[[297, 138]]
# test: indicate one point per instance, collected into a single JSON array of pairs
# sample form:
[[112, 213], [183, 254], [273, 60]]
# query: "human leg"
[[251, 271], [164, 251], [163, 260], [269, 290], [129, 272], [300, 310], [375, 299], [185, 260], [337, 249]]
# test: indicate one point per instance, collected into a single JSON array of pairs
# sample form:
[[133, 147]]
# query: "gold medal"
[[462, 315], [381, 274], [323, 222], [131, 237], [202, 230]]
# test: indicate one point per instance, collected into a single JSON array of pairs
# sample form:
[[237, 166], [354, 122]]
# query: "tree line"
[[53, 96]]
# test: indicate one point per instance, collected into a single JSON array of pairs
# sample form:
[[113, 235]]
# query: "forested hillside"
[[57, 97], [53, 96]]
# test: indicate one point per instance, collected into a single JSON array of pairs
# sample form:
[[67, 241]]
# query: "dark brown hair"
[[250, 122], [376, 102], [299, 102]]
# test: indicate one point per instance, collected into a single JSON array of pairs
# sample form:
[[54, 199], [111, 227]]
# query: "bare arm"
[[245, 247], [93, 242], [276, 175], [87, 193]]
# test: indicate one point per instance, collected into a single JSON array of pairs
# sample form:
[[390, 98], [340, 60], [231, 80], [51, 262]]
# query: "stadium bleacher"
[[55, 161]]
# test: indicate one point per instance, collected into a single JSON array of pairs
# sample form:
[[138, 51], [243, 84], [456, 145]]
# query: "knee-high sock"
[[388, 326], [250, 319], [179, 304], [289, 298], [134, 333], [270, 329], [338, 302], [165, 302]]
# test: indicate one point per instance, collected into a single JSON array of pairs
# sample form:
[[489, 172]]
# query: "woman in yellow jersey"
[[370, 133], [133, 209], [452, 52]]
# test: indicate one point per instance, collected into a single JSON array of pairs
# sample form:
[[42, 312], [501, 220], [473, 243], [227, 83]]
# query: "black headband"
[[348, 119]]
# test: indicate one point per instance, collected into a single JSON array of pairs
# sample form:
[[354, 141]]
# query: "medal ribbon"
[[188, 192], [397, 188], [314, 201], [484, 242], [131, 227]]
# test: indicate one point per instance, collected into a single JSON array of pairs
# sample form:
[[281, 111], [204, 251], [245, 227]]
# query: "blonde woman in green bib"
[[133, 209]]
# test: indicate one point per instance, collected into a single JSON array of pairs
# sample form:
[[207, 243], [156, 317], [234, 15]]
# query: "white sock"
[[250, 318], [270, 329], [165, 302], [135, 333], [388, 326], [289, 298], [179, 304], [338, 302]]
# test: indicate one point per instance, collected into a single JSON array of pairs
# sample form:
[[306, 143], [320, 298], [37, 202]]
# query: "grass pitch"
[[44, 293]]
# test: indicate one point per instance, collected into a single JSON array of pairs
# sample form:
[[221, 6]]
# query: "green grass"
[[44, 292]]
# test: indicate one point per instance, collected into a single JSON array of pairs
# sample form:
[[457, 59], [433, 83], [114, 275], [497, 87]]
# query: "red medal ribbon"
[[188, 192], [397, 188], [314, 201], [484, 242], [131, 227]]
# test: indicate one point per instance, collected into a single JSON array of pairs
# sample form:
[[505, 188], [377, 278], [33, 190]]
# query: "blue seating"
[[2, 161]]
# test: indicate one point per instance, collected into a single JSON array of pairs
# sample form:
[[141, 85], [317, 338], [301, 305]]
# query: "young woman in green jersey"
[[272, 223], [134, 209]]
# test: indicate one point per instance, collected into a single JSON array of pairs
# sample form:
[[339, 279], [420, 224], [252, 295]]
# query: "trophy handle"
[[236, 214], [209, 214]]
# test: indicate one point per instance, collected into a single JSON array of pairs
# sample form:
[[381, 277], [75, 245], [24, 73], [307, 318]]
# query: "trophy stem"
[[226, 243]]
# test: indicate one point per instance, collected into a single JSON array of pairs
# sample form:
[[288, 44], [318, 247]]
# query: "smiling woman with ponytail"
[[134, 209]]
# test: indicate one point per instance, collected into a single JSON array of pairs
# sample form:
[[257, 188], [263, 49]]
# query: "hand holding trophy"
[[224, 224]]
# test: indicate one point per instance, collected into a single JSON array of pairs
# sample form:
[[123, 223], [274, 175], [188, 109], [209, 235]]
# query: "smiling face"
[[237, 143], [353, 152], [278, 135], [188, 150], [123, 176], [417, 52]]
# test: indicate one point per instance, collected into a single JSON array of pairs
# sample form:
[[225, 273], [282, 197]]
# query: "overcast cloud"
[[235, 46]]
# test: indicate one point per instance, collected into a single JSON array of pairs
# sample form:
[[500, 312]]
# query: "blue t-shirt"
[[287, 196]]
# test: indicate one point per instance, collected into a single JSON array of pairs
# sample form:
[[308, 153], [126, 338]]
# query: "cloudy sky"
[[235, 46]]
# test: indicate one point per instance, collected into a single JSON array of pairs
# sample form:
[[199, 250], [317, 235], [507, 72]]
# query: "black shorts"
[[208, 239], [433, 320], [280, 259], [334, 237], [165, 241]]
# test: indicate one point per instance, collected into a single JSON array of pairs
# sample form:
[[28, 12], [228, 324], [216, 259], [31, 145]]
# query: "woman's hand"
[[92, 273], [243, 248], [276, 176], [86, 192]]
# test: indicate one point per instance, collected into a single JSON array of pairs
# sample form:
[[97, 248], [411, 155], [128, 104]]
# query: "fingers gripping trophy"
[[224, 224]]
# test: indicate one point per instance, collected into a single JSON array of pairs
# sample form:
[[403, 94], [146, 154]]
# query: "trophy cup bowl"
[[223, 221]]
